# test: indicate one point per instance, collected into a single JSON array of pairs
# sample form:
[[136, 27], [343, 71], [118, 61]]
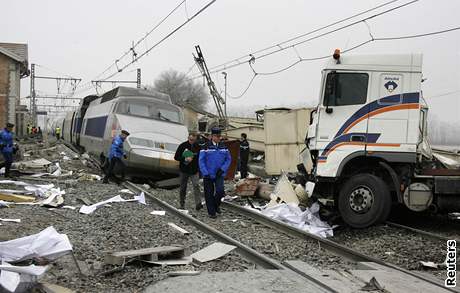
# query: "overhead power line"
[[137, 56], [164, 38], [253, 56], [370, 40], [277, 45]]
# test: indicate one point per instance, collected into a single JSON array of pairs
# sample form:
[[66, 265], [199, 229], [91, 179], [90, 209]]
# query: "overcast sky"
[[82, 38]]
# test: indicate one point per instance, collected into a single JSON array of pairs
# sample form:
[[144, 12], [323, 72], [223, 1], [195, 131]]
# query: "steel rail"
[[244, 250], [422, 232], [327, 244]]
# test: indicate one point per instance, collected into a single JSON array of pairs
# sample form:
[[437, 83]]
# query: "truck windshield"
[[149, 110], [346, 89]]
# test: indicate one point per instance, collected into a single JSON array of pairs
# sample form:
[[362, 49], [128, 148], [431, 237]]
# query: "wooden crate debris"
[[247, 187], [147, 254], [16, 198]]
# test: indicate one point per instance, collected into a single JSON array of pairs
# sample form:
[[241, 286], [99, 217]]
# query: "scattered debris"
[[373, 285], [212, 252], [158, 213], [181, 230], [183, 273], [16, 198], [151, 254], [247, 186], [283, 192], [85, 209], [307, 220], [454, 216], [48, 244], [53, 288], [11, 220], [429, 264]]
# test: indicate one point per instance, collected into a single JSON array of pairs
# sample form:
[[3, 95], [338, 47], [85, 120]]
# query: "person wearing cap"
[[7, 147], [115, 157], [244, 155], [187, 155], [214, 162]]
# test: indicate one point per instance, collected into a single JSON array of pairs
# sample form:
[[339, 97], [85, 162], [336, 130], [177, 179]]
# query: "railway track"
[[244, 250], [281, 236], [332, 246]]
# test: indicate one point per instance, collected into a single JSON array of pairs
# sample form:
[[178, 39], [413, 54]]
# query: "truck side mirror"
[[331, 89]]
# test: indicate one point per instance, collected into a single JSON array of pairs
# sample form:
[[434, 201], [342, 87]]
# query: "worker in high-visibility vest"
[[29, 129], [58, 133]]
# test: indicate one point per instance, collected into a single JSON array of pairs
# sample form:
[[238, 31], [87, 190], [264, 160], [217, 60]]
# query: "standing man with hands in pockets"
[[214, 162], [187, 155]]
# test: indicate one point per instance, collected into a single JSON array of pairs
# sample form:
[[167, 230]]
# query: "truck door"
[[342, 121]]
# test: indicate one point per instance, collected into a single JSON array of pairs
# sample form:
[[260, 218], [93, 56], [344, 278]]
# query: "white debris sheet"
[[90, 209], [292, 215], [48, 244]]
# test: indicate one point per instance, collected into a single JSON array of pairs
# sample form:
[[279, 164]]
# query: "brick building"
[[13, 67]]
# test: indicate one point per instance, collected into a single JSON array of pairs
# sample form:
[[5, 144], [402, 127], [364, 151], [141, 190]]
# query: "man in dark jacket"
[[214, 163], [244, 155], [7, 147], [115, 157], [187, 155]]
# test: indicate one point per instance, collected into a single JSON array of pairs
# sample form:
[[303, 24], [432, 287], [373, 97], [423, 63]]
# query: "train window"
[[138, 110], [168, 115]]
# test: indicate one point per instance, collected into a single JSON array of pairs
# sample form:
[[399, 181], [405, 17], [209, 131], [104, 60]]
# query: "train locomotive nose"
[[145, 154]]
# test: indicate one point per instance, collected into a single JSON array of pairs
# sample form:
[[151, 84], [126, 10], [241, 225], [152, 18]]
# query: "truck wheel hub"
[[361, 199]]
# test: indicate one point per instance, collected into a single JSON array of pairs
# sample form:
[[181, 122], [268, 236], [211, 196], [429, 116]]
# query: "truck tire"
[[364, 200]]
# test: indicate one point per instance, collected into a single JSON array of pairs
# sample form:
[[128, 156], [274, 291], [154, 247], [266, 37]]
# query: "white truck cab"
[[367, 135]]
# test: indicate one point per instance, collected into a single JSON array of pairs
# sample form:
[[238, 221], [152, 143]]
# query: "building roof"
[[17, 52]]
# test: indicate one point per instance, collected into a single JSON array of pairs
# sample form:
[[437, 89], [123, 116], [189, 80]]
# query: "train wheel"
[[364, 200]]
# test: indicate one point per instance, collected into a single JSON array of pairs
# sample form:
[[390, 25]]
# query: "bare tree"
[[181, 89]]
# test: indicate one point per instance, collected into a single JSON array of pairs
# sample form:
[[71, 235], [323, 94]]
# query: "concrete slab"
[[339, 281], [212, 252], [397, 282], [255, 281]]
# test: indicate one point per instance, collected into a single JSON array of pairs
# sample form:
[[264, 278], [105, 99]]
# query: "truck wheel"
[[364, 200]]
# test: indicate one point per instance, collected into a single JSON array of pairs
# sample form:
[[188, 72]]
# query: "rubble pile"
[[126, 223]]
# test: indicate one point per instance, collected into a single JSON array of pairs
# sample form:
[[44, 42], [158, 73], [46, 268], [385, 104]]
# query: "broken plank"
[[183, 273], [172, 262], [85, 200], [16, 198], [212, 252], [179, 229], [146, 254]]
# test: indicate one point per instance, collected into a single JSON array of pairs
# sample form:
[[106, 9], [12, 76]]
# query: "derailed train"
[[156, 129]]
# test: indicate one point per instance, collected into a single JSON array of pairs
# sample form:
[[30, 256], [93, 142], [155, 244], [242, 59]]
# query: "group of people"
[[33, 130], [209, 158]]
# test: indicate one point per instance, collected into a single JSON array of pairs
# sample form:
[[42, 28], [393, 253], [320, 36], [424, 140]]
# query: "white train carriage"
[[155, 124]]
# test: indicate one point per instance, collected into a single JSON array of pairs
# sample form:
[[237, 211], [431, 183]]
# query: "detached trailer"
[[368, 141]]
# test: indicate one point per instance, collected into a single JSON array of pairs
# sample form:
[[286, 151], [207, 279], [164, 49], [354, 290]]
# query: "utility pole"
[[32, 94], [225, 93], [218, 100], [33, 97], [138, 78], [137, 81]]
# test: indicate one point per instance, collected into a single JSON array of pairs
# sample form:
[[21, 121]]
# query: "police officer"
[[244, 155], [214, 162], [7, 146], [115, 155]]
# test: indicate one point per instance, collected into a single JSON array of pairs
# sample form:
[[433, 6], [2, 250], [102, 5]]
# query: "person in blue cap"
[[214, 162], [7, 146], [115, 155]]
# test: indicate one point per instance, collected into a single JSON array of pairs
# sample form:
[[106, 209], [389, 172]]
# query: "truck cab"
[[367, 137]]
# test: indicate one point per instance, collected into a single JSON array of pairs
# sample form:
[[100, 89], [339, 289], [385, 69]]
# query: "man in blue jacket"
[[214, 162], [115, 155], [7, 146]]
